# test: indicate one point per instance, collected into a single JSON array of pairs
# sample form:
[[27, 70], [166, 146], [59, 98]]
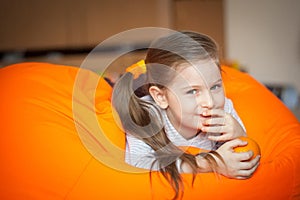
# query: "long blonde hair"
[[170, 51]]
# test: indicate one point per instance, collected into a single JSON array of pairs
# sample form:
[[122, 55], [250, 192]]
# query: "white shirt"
[[139, 154]]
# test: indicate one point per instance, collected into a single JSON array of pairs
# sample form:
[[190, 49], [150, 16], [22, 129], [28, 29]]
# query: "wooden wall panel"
[[205, 16], [45, 24], [32, 24], [107, 18]]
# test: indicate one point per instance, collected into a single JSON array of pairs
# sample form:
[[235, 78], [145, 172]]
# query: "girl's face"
[[193, 90]]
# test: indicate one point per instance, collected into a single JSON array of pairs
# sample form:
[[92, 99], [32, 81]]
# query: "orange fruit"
[[252, 145]]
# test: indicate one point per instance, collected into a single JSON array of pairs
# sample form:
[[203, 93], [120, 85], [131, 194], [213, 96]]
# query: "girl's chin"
[[189, 132]]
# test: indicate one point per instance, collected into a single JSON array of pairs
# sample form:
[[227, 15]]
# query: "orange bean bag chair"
[[61, 140]]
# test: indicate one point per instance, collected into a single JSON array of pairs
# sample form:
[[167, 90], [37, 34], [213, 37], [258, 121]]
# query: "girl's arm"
[[229, 108]]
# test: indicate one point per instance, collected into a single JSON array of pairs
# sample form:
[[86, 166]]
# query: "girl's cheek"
[[219, 101]]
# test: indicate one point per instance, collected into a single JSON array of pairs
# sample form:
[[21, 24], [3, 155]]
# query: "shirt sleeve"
[[228, 107], [139, 154]]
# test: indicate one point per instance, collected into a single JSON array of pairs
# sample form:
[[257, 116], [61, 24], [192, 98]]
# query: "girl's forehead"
[[203, 70]]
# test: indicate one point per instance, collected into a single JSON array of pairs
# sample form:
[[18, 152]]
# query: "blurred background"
[[260, 37]]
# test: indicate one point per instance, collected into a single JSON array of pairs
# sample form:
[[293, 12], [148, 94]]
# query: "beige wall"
[[264, 36]]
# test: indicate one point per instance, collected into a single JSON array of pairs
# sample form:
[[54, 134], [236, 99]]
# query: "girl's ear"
[[159, 96]]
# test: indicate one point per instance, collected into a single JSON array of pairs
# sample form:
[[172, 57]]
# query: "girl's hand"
[[236, 165], [223, 124]]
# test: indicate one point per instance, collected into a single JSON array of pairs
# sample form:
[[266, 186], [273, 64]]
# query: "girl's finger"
[[247, 165], [235, 143], [248, 172], [220, 138], [214, 112], [246, 156], [214, 121], [214, 129]]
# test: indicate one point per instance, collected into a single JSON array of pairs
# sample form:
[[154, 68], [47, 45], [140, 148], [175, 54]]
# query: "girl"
[[181, 104]]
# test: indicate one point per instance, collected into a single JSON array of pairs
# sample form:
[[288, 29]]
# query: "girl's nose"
[[206, 100]]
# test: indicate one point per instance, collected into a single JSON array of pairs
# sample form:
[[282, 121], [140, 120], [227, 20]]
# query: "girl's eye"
[[193, 91], [215, 87]]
